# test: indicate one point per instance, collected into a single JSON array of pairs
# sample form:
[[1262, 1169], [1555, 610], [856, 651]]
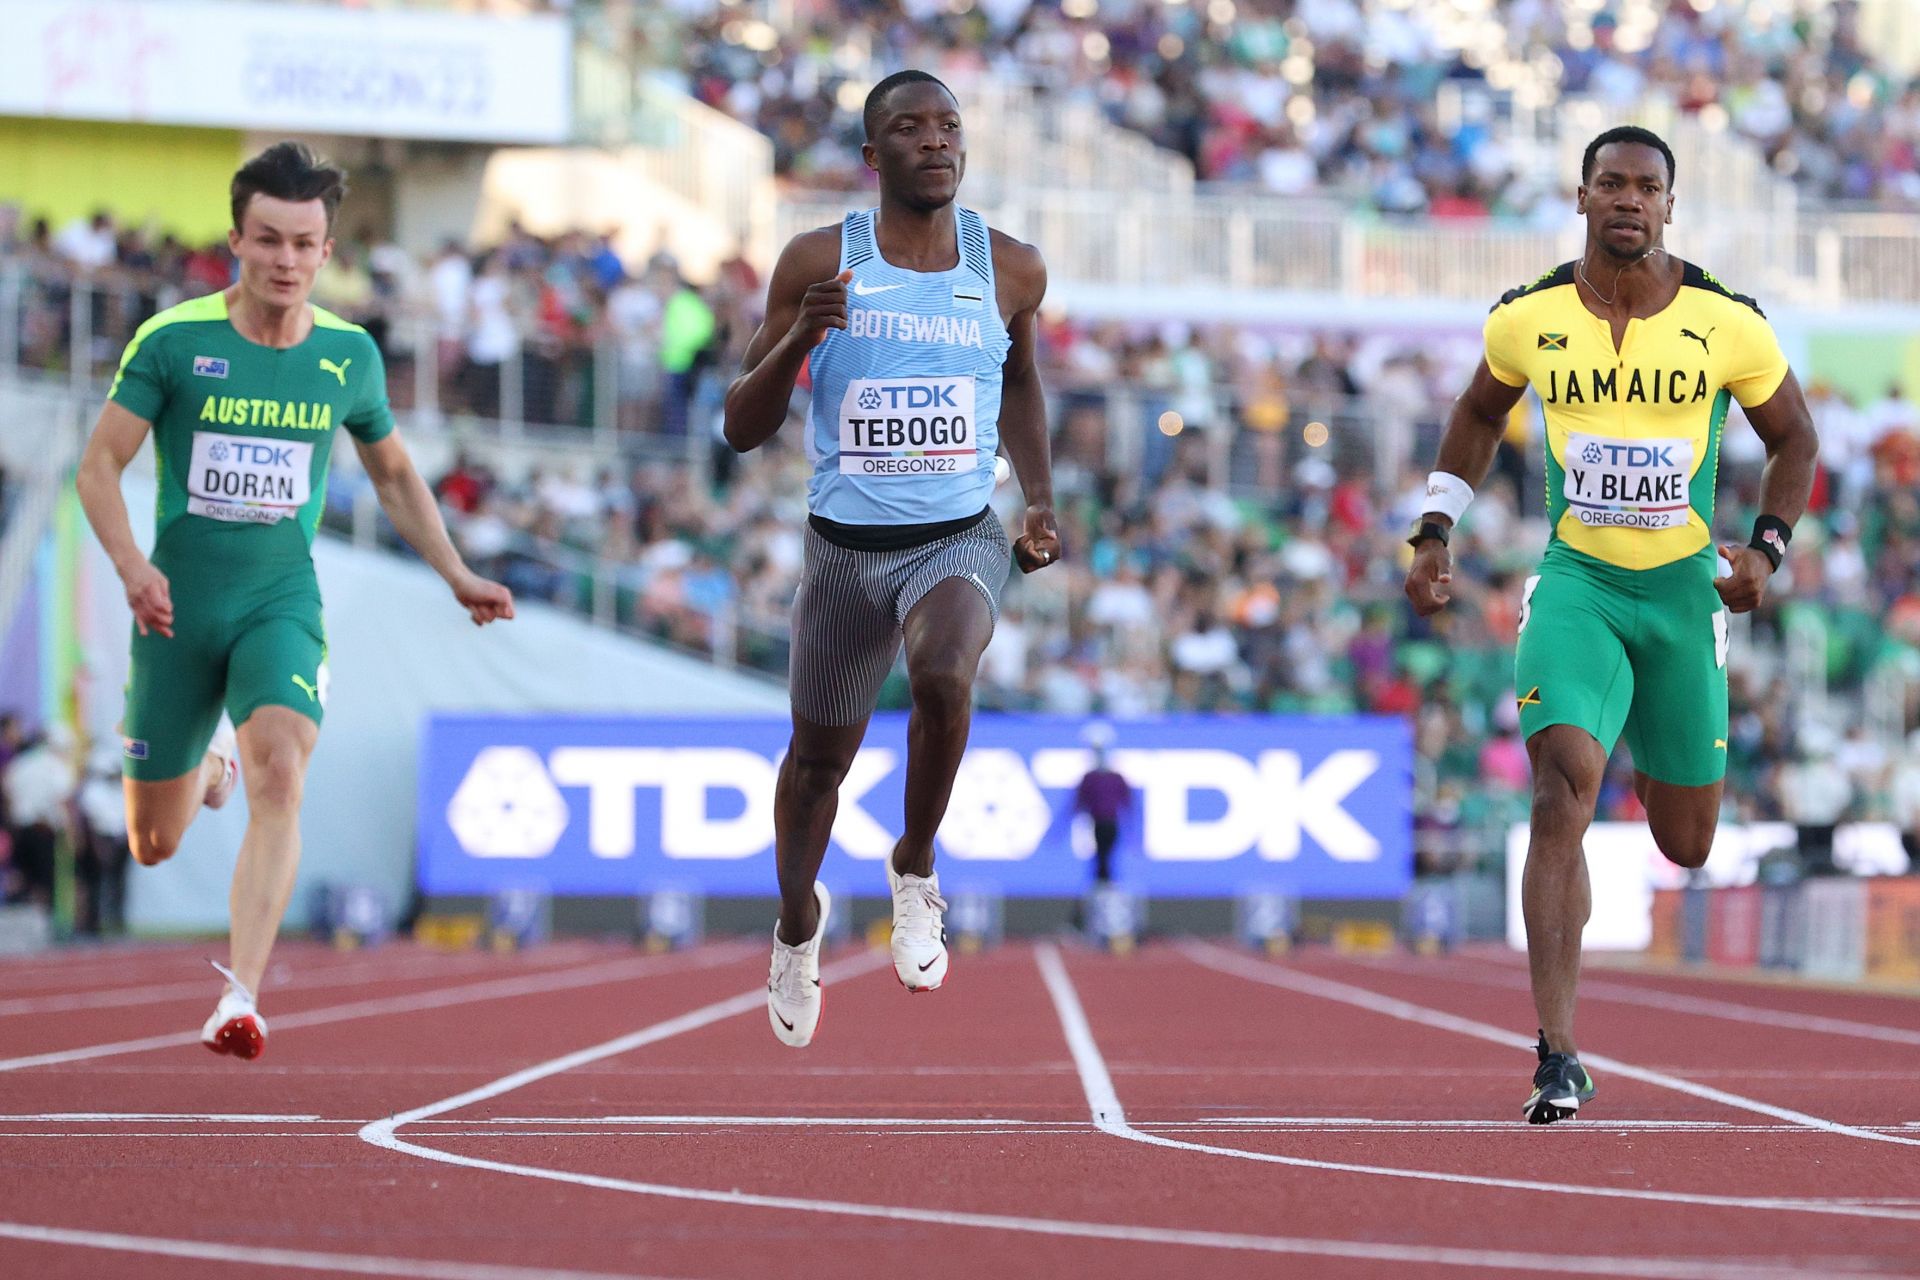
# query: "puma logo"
[[1688, 333], [340, 370], [312, 691]]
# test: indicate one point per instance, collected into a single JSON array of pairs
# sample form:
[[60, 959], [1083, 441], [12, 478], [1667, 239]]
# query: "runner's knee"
[[1685, 844], [1563, 798], [813, 776], [274, 779], [942, 692], [152, 845], [1691, 854]]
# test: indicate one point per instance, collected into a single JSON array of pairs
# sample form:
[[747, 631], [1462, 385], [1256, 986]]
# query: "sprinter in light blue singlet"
[[904, 420], [916, 323]]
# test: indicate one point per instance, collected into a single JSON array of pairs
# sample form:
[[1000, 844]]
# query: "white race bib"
[[248, 479], [907, 427], [1628, 484]]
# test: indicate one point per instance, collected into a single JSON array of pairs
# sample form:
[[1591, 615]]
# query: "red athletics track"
[[1192, 1110]]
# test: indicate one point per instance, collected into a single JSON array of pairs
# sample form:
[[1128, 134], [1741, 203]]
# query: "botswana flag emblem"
[[1553, 342]]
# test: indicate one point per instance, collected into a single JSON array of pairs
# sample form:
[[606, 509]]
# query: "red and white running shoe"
[[235, 1026]]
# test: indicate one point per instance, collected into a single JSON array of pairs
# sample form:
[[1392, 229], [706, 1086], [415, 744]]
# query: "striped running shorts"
[[851, 605]]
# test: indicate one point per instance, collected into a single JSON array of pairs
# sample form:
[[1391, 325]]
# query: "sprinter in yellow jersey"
[[1636, 357]]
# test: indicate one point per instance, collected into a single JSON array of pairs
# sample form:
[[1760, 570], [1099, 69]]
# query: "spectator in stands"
[[687, 327], [465, 487], [1815, 794], [492, 336], [1905, 793], [100, 862], [39, 784], [89, 245]]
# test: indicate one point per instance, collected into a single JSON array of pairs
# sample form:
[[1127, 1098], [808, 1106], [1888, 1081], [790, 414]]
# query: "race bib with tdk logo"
[[248, 479], [907, 427], [1628, 484]]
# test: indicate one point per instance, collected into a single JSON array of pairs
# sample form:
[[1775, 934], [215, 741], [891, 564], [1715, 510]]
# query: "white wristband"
[[1448, 495]]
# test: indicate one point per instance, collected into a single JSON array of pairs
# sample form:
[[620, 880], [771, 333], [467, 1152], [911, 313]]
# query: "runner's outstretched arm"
[[1472, 437], [115, 440], [804, 300], [1793, 447], [1023, 406], [411, 506]]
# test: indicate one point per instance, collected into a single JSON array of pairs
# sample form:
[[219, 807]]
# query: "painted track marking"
[[1221, 960], [384, 1134], [1494, 974], [197, 989], [1110, 1117], [444, 997], [358, 1264]]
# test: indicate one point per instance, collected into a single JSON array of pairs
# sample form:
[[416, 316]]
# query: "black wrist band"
[[1428, 529], [1771, 535]]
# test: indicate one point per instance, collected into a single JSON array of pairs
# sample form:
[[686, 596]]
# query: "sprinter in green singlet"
[[242, 392]]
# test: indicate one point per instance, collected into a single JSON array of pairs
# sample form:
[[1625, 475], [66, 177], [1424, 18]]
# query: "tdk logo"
[[510, 804], [912, 395], [1628, 455]]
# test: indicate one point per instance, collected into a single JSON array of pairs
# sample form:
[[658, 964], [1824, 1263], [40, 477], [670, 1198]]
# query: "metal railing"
[[42, 424], [1244, 244], [709, 159], [1020, 138], [601, 388]]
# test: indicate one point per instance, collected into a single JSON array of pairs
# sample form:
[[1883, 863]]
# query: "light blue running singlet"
[[905, 416]]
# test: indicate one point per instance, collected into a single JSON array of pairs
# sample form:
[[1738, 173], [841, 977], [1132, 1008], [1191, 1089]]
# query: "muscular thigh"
[[1570, 666], [279, 661], [1677, 729], [174, 689], [845, 637]]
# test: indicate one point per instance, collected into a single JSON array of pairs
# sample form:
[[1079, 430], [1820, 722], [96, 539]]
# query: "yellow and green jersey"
[[1633, 433], [242, 433]]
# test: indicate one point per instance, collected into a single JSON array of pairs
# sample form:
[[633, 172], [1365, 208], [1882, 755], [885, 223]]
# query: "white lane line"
[[800, 1122], [383, 1133], [153, 1117], [198, 989], [1110, 1118], [1223, 961], [81, 972], [1494, 975], [706, 1015], [440, 998], [359, 1264]]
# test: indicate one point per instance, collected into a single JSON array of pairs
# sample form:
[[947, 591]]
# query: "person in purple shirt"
[[1103, 796]]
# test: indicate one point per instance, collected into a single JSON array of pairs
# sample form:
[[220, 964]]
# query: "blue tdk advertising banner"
[[1321, 807]]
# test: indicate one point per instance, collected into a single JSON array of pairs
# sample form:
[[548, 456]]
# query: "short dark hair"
[[876, 107], [1626, 133], [289, 171]]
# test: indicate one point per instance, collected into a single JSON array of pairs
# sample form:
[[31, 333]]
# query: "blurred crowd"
[[1336, 96], [1280, 589], [550, 330], [48, 806], [1233, 501]]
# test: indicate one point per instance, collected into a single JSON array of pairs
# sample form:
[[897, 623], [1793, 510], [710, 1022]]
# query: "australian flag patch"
[[209, 367]]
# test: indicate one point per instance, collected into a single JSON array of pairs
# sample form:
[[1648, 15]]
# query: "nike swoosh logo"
[[783, 1022], [929, 964], [863, 290]]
